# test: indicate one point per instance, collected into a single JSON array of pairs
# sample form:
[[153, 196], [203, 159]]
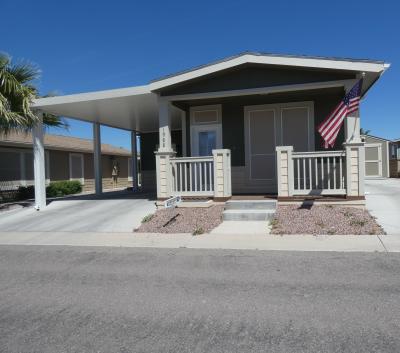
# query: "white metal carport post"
[[39, 163], [134, 161], [98, 182]]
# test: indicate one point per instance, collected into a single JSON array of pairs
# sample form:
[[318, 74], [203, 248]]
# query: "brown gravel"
[[320, 219], [183, 220]]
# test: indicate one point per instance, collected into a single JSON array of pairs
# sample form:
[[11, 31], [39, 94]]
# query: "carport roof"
[[132, 108]]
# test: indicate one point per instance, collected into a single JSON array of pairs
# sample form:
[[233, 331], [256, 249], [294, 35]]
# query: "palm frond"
[[24, 72], [50, 120], [17, 91]]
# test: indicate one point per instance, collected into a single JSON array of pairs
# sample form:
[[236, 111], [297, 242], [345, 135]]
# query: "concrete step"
[[250, 205], [248, 215], [242, 228]]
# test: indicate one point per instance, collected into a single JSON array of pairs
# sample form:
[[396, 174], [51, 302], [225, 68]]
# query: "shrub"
[[61, 188], [56, 188], [198, 231], [26, 192], [147, 218]]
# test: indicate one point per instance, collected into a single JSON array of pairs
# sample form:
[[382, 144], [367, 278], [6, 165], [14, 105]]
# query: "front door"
[[260, 126], [268, 126]]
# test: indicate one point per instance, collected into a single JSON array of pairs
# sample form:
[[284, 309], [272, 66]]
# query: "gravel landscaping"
[[321, 219], [195, 220]]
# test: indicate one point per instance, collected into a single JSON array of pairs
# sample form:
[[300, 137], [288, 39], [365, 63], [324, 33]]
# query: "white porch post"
[[164, 120], [352, 127], [165, 152], [355, 154], [183, 126], [98, 182], [39, 164], [352, 122], [134, 160]]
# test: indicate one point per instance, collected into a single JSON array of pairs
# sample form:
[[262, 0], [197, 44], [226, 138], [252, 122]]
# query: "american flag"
[[330, 127]]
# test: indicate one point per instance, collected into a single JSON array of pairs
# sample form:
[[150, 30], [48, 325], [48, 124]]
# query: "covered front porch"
[[263, 144]]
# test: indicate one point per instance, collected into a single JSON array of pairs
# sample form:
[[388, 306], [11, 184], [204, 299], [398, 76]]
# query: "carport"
[[115, 211], [135, 109]]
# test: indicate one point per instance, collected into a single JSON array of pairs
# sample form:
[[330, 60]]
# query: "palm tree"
[[17, 92]]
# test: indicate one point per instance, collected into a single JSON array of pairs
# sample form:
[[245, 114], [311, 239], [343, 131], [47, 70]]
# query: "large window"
[[76, 167]]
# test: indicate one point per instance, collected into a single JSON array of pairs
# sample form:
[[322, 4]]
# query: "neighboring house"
[[394, 154], [242, 125], [376, 156], [66, 158]]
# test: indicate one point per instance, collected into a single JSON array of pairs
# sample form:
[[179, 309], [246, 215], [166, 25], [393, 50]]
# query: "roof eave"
[[249, 58]]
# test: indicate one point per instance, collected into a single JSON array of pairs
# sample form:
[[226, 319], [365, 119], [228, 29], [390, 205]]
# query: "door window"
[[207, 142]]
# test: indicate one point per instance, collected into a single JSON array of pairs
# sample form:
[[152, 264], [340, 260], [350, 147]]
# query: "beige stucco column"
[[284, 170], [355, 168], [163, 172], [222, 174]]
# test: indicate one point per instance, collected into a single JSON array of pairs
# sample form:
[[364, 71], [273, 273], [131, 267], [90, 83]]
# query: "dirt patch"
[[320, 219], [195, 220]]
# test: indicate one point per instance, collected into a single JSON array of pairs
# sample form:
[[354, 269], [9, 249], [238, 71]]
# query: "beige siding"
[[107, 184]]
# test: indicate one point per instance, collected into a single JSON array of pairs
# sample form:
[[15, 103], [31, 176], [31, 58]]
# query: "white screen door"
[[260, 151]]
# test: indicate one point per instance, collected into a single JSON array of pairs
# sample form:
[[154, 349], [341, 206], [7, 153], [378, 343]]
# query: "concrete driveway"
[[120, 211], [383, 202]]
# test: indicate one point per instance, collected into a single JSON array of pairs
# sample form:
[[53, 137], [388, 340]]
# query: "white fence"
[[318, 173], [192, 176]]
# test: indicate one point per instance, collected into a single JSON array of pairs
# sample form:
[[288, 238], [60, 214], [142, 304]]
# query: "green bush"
[[26, 192], [147, 218], [61, 188], [54, 189]]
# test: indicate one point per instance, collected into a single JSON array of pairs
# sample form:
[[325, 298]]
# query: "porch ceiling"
[[134, 108]]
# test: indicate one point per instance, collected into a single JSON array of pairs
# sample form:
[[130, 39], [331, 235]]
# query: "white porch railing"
[[322, 172], [192, 176], [319, 173]]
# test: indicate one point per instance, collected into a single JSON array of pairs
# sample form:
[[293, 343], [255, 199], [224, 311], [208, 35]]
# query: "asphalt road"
[[68, 299]]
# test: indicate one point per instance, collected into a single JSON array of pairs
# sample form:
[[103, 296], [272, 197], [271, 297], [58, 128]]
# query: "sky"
[[87, 45]]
